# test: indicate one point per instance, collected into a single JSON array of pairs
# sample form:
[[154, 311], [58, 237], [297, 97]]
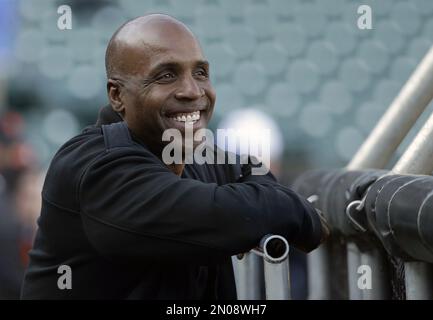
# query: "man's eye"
[[202, 73], [166, 76]]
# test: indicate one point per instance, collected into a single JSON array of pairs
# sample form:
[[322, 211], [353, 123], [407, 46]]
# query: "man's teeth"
[[187, 117]]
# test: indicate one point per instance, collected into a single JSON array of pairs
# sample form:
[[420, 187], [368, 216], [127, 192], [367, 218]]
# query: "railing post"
[[418, 280], [271, 257], [319, 285], [248, 269], [275, 252]]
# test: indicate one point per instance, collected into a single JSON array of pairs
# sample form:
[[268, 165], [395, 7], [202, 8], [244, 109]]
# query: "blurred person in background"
[[247, 123], [20, 187]]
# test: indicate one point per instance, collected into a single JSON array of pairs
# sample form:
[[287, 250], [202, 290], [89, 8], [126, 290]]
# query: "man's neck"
[[176, 168]]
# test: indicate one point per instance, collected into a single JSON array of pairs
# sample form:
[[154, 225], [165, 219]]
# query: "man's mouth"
[[191, 117]]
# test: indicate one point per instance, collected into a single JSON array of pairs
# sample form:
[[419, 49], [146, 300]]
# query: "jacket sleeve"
[[135, 210]]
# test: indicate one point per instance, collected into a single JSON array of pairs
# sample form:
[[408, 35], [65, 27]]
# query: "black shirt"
[[129, 228]]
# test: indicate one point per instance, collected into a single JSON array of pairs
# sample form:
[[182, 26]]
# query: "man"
[[128, 225]]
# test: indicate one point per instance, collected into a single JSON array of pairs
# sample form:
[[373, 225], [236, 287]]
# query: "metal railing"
[[264, 271], [362, 246], [376, 153]]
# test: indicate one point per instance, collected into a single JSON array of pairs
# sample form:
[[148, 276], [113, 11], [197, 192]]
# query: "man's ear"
[[114, 91]]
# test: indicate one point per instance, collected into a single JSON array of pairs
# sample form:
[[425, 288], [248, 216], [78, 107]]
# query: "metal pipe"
[[418, 280], [248, 269], [380, 284], [319, 285], [378, 148], [319, 280], [417, 159], [401, 115], [373, 258], [275, 252], [353, 263]]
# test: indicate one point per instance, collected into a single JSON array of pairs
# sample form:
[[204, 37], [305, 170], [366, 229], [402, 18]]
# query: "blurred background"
[[303, 64]]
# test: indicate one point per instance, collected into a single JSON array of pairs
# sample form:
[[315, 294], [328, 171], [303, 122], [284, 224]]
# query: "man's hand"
[[326, 228], [326, 231]]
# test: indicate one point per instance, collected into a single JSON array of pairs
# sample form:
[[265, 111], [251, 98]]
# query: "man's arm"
[[135, 210]]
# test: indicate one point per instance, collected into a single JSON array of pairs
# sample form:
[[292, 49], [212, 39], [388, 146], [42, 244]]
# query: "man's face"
[[171, 87]]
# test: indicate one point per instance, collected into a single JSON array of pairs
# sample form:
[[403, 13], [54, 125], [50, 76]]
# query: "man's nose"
[[189, 89]]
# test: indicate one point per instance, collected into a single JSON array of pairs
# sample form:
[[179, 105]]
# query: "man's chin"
[[180, 148]]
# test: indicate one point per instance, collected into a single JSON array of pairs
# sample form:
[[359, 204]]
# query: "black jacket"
[[130, 228]]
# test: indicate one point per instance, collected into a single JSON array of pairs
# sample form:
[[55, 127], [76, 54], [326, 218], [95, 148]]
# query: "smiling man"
[[128, 226], [147, 61]]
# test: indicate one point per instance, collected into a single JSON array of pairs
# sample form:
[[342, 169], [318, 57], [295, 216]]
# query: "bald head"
[[141, 37], [157, 71]]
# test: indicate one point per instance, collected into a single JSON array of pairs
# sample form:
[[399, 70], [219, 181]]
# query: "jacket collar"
[[107, 116]]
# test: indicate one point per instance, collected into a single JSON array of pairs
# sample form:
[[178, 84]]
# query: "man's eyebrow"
[[176, 65], [202, 63], [165, 65]]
